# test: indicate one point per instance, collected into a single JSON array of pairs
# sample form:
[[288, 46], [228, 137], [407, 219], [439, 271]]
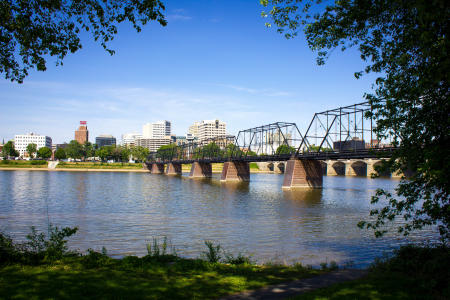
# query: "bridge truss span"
[[342, 130]]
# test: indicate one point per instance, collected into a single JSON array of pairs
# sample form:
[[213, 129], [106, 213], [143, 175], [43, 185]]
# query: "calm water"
[[124, 211]]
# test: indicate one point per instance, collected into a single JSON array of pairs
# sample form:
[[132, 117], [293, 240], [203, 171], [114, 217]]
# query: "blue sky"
[[214, 59]]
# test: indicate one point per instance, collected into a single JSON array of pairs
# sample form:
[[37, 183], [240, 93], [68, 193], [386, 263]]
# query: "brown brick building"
[[82, 134]]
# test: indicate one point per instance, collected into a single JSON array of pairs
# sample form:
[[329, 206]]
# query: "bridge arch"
[[382, 174], [337, 168], [280, 167], [359, 168], [270, 166]]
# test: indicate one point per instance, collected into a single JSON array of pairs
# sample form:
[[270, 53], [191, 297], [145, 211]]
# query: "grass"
[[23, 164], [44, 268], [133, 277], [412, 273], [98, 165]]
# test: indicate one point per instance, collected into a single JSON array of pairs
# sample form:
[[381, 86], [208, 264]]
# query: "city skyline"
[[208, 63]]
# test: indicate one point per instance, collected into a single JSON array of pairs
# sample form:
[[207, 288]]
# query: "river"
[[124, 211]]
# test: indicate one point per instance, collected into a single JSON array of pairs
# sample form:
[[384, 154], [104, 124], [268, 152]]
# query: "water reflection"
[[123, 211], [303, 197]]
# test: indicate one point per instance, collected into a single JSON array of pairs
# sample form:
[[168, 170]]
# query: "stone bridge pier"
[[303, 174], [235, 171], [173, 169], [200, 170], [156, 168]]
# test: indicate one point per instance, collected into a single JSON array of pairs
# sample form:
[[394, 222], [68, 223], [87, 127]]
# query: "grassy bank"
[[23, 164], [43, 268], [97, 165], [412, 273]]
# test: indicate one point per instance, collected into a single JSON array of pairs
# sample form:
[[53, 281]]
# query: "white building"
[[21, 141], [207, 129], [156, 130], [153, 144], [129, 139]]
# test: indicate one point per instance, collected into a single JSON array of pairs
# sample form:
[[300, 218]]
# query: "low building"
[[153, 144], [105, 140], [129, 139], [21, 141]]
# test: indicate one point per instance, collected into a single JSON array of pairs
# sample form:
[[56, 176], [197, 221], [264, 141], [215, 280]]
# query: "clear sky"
[[214, 59]]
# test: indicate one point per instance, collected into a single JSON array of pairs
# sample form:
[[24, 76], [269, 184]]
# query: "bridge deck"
[[359, 154]]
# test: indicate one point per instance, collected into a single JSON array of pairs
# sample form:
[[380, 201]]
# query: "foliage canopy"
[[406, 43], [44, 152], [30, 31]]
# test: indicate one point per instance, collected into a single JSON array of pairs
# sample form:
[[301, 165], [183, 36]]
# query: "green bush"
[[429, 266], [240, 259], [52, 247], [38, 162], [213, 253], [8, 250], [94, 259]]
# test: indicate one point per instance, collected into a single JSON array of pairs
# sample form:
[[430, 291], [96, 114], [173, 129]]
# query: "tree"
[[211, 150], [60, 153], [88, 150], [9, 150], [30, 31], [103, 152], [31, 149], [167, 151], [285, 149], [140, 153], [74, 150], [124, 154], [406, 43], [44, 152]]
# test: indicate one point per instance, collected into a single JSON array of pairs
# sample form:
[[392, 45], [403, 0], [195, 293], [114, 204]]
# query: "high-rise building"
[[105, 140], [21, 141], [129, 139], [156, 130], [207, 129], [82, 134]]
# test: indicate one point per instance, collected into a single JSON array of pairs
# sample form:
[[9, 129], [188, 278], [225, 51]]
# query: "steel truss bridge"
[[341, 133]]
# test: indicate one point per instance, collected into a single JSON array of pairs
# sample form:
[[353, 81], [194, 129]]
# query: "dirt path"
[[294, 288]]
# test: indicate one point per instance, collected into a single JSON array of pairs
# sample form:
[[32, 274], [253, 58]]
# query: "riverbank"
[[45, 269], [104, 167]]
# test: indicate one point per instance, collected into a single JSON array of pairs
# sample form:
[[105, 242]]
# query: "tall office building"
[[207, 129], [156, 130], [82, 134], [21, 141], [105, 140]]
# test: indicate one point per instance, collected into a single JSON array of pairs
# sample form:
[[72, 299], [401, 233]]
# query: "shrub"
[[164, 252], [38, 162], [429, 266], [213, 253], [52, 247], [240, 259], [94, 259], [8, 250]]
